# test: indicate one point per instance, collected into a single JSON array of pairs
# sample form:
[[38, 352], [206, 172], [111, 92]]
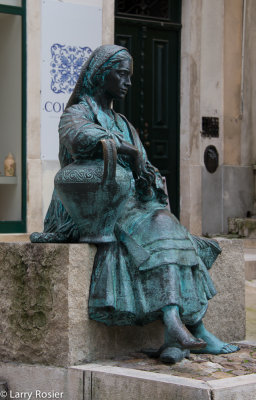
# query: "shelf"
[[8, 180]]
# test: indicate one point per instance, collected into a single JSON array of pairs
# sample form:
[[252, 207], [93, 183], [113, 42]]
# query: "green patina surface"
[[153, 268]]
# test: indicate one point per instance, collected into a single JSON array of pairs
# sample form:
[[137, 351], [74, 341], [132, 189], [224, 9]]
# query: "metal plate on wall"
[[211, 159]]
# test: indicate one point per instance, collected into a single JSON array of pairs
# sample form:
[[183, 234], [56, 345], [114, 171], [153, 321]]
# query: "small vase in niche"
[[9, 165]]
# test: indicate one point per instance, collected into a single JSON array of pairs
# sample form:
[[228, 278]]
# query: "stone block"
[[244, 227], [250, 268], [44, 295], [32, 381], [226, 312], [98, 382], [4, 391], [117, 383], [240, 388]]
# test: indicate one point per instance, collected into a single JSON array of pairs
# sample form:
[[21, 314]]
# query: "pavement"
[[204, 367], [250, 303]]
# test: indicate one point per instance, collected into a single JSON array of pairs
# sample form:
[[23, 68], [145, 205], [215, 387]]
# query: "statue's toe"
[[229, 348]]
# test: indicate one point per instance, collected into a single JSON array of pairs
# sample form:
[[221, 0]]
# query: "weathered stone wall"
[[44, 296]]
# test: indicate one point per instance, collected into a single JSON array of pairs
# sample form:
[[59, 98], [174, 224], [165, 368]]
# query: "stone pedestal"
[[243, 227], [44, 297], [226, 312]]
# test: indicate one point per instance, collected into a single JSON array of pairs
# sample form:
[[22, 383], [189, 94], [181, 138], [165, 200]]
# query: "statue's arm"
[[150, 176], [81, 135]]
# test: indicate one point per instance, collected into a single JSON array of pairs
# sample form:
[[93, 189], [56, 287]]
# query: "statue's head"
[[117, 80], [109, 67]]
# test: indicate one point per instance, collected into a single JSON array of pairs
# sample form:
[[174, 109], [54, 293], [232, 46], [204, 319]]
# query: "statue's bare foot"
[[177, 332], [214, 345]]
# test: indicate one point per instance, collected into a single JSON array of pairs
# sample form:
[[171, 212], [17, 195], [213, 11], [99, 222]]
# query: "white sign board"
[[70, 32]]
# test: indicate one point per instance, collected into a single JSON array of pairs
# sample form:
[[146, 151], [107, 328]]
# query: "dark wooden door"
[[152, 104]]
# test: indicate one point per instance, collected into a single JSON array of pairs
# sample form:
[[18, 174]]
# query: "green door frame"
[[20, 226]]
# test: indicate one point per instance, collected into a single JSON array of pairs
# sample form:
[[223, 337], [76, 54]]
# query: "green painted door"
[[152, 104]]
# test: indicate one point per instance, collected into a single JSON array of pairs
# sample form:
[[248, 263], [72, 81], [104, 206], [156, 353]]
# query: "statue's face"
[[118, 80]]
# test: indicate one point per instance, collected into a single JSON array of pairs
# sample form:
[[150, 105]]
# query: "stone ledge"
[[14, 237], [63, 382], [101, 382], [44, 294]]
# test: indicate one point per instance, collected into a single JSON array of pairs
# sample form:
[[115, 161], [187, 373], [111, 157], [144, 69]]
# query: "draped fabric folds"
[[155, 261]]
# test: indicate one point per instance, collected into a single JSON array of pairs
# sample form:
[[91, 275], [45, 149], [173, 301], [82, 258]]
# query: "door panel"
[[152, 105]]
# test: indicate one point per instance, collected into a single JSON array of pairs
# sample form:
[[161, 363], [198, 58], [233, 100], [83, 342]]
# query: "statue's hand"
[[143, 180], [143, 175], [136, 161], [138, 166]]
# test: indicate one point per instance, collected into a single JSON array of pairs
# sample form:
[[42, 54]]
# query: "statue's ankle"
[[196, 328]]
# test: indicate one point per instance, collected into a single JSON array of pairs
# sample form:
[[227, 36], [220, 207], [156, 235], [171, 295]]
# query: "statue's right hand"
[[139, 166]]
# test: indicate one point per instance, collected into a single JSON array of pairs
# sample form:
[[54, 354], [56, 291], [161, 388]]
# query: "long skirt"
[[154, 263]]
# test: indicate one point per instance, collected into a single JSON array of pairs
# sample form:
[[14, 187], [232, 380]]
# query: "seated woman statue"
[[171, 280]]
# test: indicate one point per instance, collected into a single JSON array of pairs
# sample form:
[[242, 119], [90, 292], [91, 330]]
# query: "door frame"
[[20, 226], [165, 25]]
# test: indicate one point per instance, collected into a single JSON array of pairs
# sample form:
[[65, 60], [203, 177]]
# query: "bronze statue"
[[147, 266]]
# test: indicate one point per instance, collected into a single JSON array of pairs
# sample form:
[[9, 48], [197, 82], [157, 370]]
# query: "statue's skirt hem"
[[110, 317]]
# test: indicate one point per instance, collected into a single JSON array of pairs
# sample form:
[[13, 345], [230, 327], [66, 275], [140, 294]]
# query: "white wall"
[[40, 173]]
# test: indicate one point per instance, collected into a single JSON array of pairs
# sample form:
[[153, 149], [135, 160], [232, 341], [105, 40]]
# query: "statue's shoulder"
[[123, 120], [84, 109], [121, 117]]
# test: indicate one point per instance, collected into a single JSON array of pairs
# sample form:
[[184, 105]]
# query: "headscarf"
[[93, 72]]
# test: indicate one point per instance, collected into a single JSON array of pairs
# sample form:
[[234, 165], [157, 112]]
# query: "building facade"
[[215, 75]]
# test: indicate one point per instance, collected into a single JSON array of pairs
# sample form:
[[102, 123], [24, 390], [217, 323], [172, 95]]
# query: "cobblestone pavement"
[[204, 366], [199, 366]]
